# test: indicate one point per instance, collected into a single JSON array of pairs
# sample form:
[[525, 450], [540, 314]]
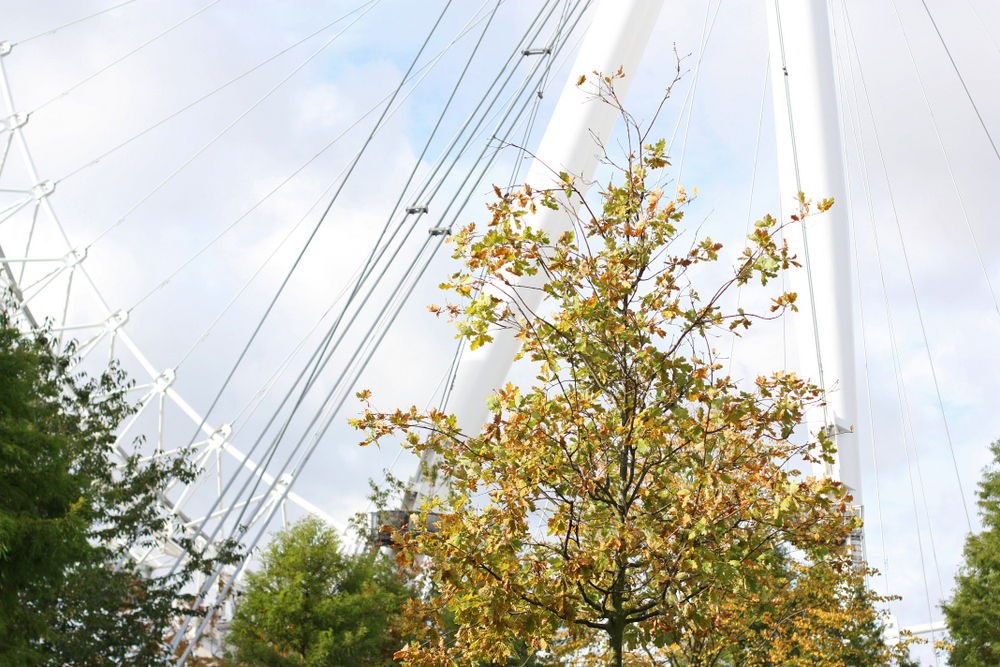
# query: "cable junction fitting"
[[536, 52], [413, 210]]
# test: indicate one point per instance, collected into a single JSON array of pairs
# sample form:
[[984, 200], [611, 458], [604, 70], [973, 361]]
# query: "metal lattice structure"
[[45, 273]]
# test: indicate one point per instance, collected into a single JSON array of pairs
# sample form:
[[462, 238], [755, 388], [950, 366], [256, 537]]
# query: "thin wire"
[[268, 384], [320, 349], [320, 434], [66, 25], [207, 95], [317, 438], [428, 66], [549, 57], [897, 364], [947, 160], [705, 33], [327, 211], [275, 442], [961, 78], [983, 25], [218, 136], [909, 468], [909, 273], [688, 97], [753, 181], [328, 355], [900, 389], [460, 347], [845, 105], [923, 490], [302, 252], [115, 62]]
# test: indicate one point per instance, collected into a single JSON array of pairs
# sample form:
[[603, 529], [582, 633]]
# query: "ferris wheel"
[[254, 451]]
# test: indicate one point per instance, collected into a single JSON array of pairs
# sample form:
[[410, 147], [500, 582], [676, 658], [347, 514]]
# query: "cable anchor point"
[[43, 189], [13, 121]]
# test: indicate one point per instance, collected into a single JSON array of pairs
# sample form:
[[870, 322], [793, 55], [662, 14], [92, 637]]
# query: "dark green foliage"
[[69, 592], [973, 612], [310, 604]]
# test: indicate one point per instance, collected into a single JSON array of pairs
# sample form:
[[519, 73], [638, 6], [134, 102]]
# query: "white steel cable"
[[256, 444], [958, 73], [226, 129], [906, 263], [847, 114], [897, 364], [947, 159], [753, 181], [705, 34], [983, 25], [118, 60], [204, 97], [297, 447], [74, 22]]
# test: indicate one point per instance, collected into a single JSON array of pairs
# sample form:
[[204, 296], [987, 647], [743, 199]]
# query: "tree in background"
[[807, 614], [814, 614], [973, 612], [70, 593], [311, 604], [636, 491]]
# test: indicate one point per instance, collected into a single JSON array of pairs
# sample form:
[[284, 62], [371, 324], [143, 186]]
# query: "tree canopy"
[[636, 493], [70, 519], [973, 612], [312, 604]]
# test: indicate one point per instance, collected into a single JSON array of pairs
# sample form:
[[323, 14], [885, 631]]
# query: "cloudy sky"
[[215, 163]]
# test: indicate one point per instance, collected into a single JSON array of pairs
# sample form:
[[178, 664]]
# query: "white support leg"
[[811, 160]]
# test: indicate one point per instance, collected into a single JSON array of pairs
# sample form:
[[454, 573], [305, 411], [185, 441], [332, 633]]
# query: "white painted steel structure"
[[810, 160], [56, 281]]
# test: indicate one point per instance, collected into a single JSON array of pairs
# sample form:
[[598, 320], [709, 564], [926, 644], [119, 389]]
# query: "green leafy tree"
[[311, 604], [659, 482], [815, 614], [69, 591], [973, 612]]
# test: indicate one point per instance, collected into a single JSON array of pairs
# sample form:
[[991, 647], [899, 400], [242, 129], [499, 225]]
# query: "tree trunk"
[[616, 634]]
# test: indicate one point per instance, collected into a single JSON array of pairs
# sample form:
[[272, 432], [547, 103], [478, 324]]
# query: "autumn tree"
[[973, 611], [805, 613], [70, 592], [659, 482], [312, 604], [812, 613]]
